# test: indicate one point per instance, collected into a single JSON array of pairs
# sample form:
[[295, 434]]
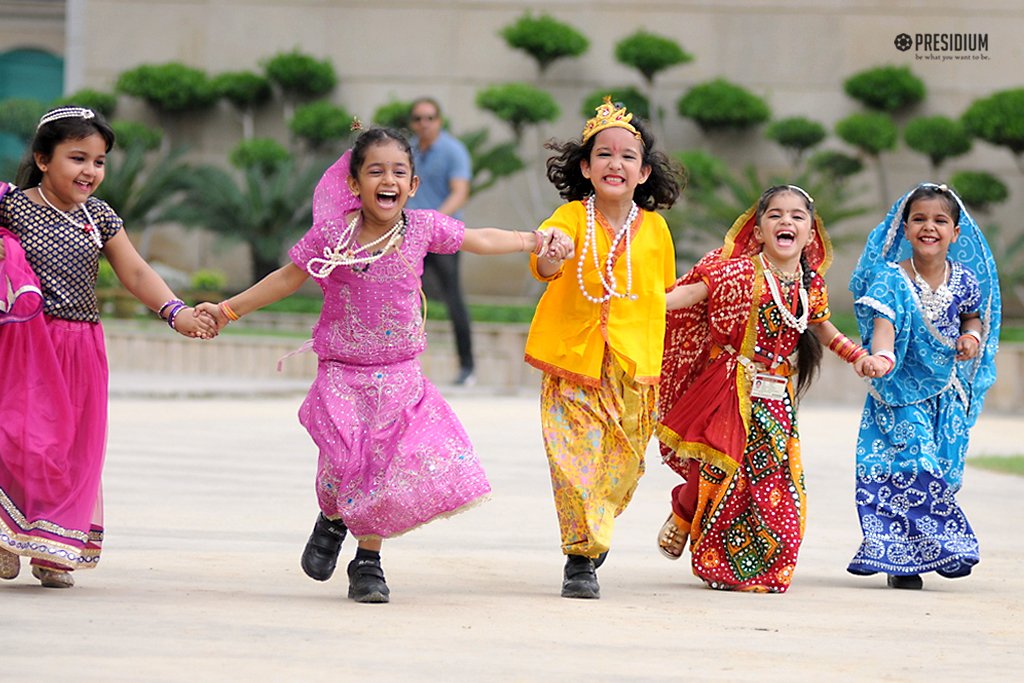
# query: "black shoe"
[[366, 581], [599, 560], [910, 582], [321, 553], [580, 578]]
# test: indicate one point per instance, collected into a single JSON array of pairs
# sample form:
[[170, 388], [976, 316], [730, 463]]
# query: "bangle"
[[173, 315], [228, 312], [889, 356], [167, 304], [540, 242], [846, 348], [972, 333]]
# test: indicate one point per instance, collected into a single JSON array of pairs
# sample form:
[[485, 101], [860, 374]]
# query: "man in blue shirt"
[[444, 169]]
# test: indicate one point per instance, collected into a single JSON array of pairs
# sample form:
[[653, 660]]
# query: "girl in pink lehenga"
[[393, 455], [53, 402]]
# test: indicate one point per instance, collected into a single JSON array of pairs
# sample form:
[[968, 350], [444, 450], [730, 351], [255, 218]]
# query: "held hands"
[[872, 366], [214, 313], [191, 322], [554, 245]]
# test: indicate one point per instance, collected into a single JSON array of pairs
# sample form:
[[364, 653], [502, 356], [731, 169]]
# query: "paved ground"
[[209, 501]]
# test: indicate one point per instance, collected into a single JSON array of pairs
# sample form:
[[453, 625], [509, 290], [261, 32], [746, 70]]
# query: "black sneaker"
[[910, 582], [320, 556], [580, 579], [366, 581]]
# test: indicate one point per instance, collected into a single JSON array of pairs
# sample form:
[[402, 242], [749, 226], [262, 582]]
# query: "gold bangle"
[[231, 315]]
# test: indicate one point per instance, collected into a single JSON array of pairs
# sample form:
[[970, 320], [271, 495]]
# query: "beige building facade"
[[795, 54]]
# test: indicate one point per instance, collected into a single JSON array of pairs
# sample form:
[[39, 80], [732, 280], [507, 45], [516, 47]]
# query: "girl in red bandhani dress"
[[741, 323]]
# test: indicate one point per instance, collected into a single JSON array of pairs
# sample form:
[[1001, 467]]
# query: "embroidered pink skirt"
[[393, 455], [53, 427]]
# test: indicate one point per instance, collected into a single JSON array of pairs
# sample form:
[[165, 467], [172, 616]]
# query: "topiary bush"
[[797, 134], [132, 134], [544, 38], [519, 105], [938, 138], [103, 102], [263, 154], [321, 122], [998, 119], [650, 54], [170, 88], [301, 76], [871, 132], [19, 117], [394, 114], [720, 105], [978, 189], [628, 96], [242, 88], [835, 165], [885, 88]]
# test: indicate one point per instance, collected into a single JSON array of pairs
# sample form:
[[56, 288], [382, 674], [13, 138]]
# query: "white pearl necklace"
[[89, 227], [935, 301], [798, 324], [345, 252], [590, 241]]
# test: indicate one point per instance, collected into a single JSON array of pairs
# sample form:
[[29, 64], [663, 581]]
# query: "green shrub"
[[835, 164], [650, 54], [264, 154], [545, 39], [937, 137], [979, 190], [242, 88], [19, 117], [885, 88], [628, 96], [998, 119], [135, 134], [104, 103], [518, 104], [797, 134], [208, 280], [721, 105], [394, 114], [872, 132], [106, 278], [704, 171], [171, 87], [300, 75], [320, 122]]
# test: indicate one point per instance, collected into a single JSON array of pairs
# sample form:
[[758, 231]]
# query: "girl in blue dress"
[[926, 296]]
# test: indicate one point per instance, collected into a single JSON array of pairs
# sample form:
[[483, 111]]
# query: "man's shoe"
[[366, 581], [910, 582], [465, 378], [320, 556], [580, 578]]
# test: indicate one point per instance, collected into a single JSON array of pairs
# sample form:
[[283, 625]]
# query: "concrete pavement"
[[209, 500]]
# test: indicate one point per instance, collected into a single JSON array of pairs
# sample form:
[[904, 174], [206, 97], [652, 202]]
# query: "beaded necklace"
[[88, 227], [798, 324], [346, 251], [590, 241], [934, 301]]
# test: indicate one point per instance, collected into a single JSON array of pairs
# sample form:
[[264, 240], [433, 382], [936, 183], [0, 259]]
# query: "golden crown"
[[609, 117]]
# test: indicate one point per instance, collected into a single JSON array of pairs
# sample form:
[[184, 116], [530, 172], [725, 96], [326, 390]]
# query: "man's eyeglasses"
[[425, 117]]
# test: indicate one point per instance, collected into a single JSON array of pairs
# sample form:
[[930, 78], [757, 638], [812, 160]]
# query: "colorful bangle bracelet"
[[228, 312], [174, 314], [168, 303]]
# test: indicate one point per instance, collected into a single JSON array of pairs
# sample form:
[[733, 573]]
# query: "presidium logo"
[[944, 47]]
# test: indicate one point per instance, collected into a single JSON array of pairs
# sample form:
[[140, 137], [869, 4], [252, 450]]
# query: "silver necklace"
[[347, 252], [88, 227], [934, 301], [590, 241], [798, 324]]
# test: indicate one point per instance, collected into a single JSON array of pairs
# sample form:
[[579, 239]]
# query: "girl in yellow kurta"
[[598, 330]]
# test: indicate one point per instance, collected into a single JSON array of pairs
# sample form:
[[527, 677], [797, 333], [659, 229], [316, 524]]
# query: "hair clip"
[[65, 113], [797, 188], [356, 124]]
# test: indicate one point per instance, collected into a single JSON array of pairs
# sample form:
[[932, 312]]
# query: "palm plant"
[[262, 207]]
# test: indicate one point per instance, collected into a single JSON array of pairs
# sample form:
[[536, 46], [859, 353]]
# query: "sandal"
[[10, 564], [671, 539], [53, 578]]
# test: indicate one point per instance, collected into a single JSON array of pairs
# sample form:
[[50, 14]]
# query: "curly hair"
[[659, 192]]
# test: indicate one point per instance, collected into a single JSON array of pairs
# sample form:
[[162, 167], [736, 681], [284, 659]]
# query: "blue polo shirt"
[[445, 160]]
